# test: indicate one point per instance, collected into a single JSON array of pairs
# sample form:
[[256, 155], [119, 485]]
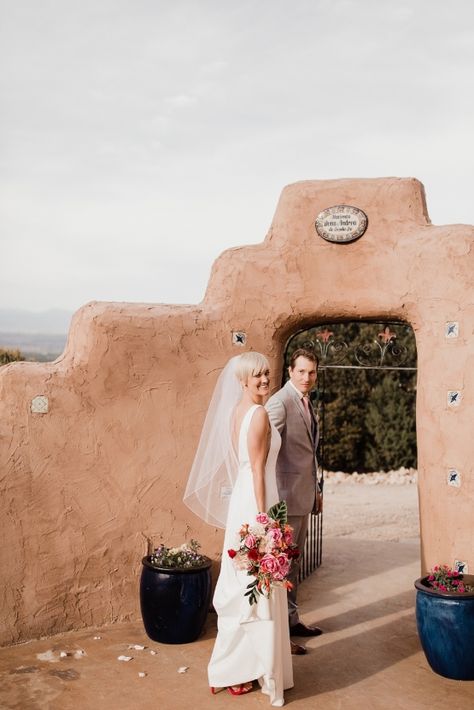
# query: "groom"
[[292, 414]]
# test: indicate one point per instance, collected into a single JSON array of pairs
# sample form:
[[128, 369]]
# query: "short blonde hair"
[[250, 364]]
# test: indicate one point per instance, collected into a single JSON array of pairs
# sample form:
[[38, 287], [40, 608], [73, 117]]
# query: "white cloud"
[[180, 100]]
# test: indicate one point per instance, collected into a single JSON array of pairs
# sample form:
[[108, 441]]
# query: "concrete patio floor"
[[369, 656]]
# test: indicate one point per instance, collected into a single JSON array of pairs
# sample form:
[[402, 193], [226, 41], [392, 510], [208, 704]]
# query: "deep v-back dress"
[[252, 640]]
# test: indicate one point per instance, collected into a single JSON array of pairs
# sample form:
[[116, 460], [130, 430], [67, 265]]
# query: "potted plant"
[[445, 621], [175, 593]]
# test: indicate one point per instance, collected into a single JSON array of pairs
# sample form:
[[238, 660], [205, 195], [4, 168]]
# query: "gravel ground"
[[382, 507]]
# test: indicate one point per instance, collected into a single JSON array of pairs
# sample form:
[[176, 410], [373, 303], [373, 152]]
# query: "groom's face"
[[303, 374]]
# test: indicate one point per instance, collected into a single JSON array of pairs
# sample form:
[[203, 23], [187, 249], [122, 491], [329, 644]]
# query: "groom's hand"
[[318, 501]]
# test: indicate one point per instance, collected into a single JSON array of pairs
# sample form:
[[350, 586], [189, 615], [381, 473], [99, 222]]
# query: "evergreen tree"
[[391, 436]]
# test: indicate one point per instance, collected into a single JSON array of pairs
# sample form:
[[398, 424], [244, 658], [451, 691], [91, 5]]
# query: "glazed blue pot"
[[174, 603], [445, 622]]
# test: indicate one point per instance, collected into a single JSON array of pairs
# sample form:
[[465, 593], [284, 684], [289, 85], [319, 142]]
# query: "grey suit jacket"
[[296, 466]]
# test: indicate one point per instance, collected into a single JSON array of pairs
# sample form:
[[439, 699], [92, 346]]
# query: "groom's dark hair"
[[304, 352]]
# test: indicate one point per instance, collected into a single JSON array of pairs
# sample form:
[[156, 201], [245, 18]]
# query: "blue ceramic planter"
[[174, 603], [445, 622]]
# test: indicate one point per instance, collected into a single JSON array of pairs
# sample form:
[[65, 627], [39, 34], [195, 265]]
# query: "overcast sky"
[[141, 138]]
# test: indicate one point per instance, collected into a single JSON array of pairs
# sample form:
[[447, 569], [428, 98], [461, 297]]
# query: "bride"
[[233, 479]]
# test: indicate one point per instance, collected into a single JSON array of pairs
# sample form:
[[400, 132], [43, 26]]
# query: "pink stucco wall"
[[84, 485]]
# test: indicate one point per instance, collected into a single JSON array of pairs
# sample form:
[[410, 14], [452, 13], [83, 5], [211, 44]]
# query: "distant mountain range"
[[38, 335], [54, 321]]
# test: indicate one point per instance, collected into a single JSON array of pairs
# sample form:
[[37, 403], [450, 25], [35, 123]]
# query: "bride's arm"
[[258, 442]]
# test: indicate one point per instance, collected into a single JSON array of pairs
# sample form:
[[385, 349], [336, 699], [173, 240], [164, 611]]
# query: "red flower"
[[252, 554], [231, 553]]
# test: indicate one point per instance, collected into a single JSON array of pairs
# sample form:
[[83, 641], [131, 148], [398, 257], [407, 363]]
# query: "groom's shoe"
[[300, 629], [297, 650]]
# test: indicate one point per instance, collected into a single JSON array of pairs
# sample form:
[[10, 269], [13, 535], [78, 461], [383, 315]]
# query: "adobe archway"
[[101, 463]]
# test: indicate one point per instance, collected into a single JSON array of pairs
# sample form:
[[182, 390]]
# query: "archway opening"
[[365, 400]]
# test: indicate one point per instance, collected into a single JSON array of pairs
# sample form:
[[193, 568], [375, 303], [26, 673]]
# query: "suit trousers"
[[299, 523]]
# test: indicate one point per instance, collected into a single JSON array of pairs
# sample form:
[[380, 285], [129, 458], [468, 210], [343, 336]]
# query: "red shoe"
[[241, 689]]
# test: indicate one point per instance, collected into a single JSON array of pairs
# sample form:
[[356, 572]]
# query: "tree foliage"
[[7, 356], [366, 403]]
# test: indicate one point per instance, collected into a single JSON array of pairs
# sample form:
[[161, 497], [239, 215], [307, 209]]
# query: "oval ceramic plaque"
[[341, 223]]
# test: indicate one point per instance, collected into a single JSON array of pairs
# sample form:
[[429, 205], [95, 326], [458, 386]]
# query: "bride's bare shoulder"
[[260, 418]]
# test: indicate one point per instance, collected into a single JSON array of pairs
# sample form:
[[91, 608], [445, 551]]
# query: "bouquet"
[[266, 551]]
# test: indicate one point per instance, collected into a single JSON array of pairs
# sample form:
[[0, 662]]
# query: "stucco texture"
[[85, 485]]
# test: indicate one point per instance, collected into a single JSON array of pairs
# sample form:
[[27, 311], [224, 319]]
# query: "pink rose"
[[269, 564], [263, 518], [283, 564], [274, 535], [250, 541]]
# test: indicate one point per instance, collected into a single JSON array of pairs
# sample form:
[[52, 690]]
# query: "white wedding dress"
[[253, 640]]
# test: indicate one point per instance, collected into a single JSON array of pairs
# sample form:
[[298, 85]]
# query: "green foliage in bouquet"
[[279, 512]]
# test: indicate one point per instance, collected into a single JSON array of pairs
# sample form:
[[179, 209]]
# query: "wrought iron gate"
[[390, 345]]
